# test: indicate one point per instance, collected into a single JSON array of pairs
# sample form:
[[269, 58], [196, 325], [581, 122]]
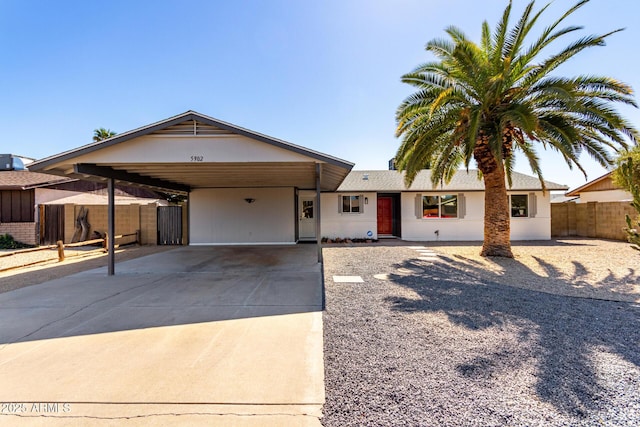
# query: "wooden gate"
[[169, 225], [51, 224]]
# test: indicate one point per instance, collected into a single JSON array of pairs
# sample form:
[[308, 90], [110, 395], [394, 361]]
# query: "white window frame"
[[440, 196], [360, 199]]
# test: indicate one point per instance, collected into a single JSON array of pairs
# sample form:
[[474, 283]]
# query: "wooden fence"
[[60, 246]]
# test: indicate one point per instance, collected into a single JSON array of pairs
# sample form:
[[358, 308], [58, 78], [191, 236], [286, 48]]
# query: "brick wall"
[[604, 220], [24, 232]]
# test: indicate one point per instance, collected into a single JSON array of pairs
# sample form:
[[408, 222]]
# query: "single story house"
[[243, 187], [20, 193], [601, 189], [384, 207]]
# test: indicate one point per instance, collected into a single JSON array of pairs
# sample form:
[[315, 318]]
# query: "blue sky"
[[324, 74]]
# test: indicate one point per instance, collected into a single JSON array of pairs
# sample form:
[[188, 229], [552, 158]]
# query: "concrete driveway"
[[196, 335]]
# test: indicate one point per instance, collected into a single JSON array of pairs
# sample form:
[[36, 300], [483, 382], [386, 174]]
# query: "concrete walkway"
[[193, 336]]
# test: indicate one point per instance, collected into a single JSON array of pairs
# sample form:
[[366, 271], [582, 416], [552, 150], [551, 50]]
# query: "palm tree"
[[486, 101], [102, 133]]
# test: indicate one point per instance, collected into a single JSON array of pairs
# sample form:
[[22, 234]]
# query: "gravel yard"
[[550, 338]]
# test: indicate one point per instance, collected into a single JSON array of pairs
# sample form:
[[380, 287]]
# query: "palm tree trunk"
[[497, 221]]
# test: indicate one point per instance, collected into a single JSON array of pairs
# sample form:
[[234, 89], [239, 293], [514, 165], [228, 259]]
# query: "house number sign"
[[197, 158]]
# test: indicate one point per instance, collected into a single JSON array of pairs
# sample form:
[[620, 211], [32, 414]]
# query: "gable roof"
[[393, 181], [188, 116], [24, 180], [296, 166], [602, 183]]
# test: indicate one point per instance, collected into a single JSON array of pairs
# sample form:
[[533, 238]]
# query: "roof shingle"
[[389, 180], [21, 180]]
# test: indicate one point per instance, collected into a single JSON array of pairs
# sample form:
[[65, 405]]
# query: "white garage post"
[[318, 228], [111, 227]]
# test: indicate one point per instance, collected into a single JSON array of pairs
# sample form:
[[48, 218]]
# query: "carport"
[[240, 185]]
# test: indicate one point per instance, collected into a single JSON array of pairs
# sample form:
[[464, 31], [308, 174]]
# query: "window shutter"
[[533, 205], [419, 212], [361, 203], [462, 205], [339, 203]]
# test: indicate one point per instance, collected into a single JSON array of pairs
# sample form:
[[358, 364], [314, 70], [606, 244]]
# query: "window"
[[17, 205], [519, 205], [307, 209], [445, 206], [351, 204]]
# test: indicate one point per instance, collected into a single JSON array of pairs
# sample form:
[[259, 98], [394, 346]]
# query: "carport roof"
[[183, 176]]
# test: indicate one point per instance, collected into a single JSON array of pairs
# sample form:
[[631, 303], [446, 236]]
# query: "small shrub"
[[7, 242]]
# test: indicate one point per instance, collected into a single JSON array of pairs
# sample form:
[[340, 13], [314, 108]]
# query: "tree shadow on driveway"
[[586, 351]]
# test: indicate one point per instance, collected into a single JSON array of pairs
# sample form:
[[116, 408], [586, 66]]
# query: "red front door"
[[385, 215]]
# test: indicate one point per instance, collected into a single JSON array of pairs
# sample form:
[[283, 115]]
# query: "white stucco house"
[[247, 188], [455, 211]]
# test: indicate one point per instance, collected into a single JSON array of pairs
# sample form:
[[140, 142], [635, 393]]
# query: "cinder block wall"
[[127, 220], [148, 225], [69, 222], [24, 232], [604, 220], [560, 219]]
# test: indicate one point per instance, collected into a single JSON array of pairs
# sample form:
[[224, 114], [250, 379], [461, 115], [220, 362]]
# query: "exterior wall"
[[604, 196], [46, 195], [222, 216], [604, 220], [149, 224], [129, 219], [175, 149], [449, 229], [537, 227], [24, 232], [348, 225], [471, 226], [69, 222]]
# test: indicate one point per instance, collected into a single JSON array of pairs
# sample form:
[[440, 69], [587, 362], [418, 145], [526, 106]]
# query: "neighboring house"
[[20, 191], [563, 198], [247, 188], [24, 196], [601, 189]]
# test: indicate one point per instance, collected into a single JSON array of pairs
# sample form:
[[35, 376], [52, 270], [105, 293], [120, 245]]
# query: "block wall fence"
[[605, 220]]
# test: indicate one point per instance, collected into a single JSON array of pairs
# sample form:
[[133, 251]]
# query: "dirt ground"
[[32, 275]]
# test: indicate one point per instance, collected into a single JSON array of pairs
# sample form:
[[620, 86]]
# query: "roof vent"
[[365, 177]]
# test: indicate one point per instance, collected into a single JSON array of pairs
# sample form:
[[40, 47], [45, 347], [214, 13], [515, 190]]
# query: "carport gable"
[[195, 151]]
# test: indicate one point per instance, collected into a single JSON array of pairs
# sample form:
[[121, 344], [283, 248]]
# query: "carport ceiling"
[[237, 175]]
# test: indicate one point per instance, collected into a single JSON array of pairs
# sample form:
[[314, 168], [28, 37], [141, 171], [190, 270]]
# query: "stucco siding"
[[46, 195], [604, 196], [179, 149], [222, 216], [349, 225], [471, 225], [448, 229], [537, 227]]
